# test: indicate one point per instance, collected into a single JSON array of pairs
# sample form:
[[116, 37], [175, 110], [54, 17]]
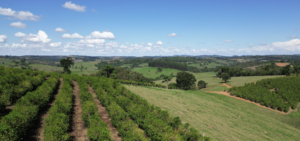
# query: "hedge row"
[[120, 119], [24, 82], [97, 129], [277, 93], [58, 122], [139, 83], [16, 124], [157, 124]]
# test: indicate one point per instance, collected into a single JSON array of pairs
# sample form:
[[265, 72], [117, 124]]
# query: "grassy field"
[[221, 117], [5, 62], [150, 72], [91, 68], [209, 77]]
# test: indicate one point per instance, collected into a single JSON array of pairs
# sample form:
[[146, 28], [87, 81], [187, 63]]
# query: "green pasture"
[[221, 117], [5, 61], [89, 67], [151, 72], [209, 77]]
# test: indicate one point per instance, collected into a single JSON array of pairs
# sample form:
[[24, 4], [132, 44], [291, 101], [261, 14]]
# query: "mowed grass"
[[221, 117], [150, 72], [46, 67], [212, 81]]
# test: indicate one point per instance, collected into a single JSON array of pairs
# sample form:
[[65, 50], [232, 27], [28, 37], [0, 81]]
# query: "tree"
[[107, 71], [225, 76], [201, 84], [66, 64], [286, 70], [166, 79], [81, 67], [185, 80]]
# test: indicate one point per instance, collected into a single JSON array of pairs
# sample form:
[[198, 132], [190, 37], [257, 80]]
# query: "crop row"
[[120, 119], [58, 122], [97, 129], [20, 85], [16, 124], [277, 93], [158, 125]]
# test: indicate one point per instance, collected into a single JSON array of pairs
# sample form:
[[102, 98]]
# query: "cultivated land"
[[222, 117]]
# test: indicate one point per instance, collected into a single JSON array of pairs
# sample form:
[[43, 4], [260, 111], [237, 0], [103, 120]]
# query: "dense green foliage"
[[66, 63], [15, 125], [97, 129], [185, 80], [14, 83], [168, 64], [140, 83], [277, 93], [201, 84], [58, 122], [260, 71], [225, 76], [122, 74]]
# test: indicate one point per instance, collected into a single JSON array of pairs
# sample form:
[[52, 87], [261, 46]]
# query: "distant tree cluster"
[[122, 74], [168, 64]]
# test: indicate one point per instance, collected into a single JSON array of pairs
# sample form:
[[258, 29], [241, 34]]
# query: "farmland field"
[[209, 77], [222, 117], [150, 72]]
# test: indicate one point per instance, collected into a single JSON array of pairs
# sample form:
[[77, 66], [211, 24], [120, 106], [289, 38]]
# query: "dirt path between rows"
[[78, 130], [105, 116], [258, 104], [37, 132], [224, 84]]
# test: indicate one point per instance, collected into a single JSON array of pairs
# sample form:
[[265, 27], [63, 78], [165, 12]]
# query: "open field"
[[5, 62], [150, 72], [209, 77], [282, 64], [91, 68], [222, 117]]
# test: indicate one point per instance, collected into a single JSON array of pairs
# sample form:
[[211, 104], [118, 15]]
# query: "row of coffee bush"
[[97, 129], [120, 119], [278, 93], [58, 122], [15, 125], [157, 124], [14, 83]]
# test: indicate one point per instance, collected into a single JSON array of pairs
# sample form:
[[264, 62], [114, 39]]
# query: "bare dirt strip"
[[224, 84], [105, 116], [36, 132], [79, 130], [281, 64], [258, 104]]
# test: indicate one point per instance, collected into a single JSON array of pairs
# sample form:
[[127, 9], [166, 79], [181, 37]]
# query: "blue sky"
[[149, 27]]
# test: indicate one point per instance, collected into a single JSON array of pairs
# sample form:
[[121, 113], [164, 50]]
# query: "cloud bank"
[[21, 15], [73, 6]]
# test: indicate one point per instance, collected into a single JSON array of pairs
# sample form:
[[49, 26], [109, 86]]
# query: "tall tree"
[[66, 64], [225, 76], [185, 80], [107, 71], [201, 84]]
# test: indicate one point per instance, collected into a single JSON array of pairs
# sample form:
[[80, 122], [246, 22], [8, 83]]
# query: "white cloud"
[[55, 44], [40, 37], [250, 44], [92, 41], [20, 34], [227, 41], [47, 50], [159, 42], [149, 44], [172, 35], [73, 6], [60, 30], [292, 37], [99, 35], [18, 25], [71, 36], [3, 38], [21, 15]]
